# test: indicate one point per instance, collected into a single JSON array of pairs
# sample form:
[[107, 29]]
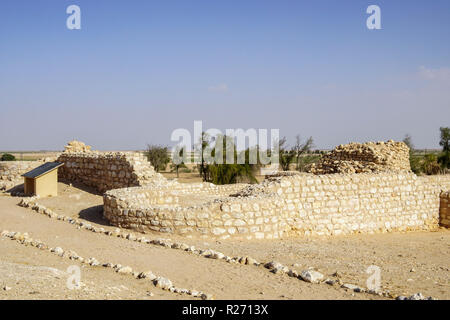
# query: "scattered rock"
[[93, 262], [311, 276], [147, 275], [205, 296], [417, 296], [251, 261], [124, 270], [351, 287], [163, 283], [59, 251]]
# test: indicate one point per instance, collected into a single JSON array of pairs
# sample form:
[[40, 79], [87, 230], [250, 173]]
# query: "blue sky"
[[137, 70]]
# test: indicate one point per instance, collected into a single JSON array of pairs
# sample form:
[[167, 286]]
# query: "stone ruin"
[[106, 170], [357, 188], [75, 146], [370, 157]]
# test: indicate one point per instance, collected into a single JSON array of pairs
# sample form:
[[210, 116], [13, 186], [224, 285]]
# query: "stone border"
[[158, 281]]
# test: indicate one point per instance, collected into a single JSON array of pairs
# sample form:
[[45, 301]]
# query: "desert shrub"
[[416, 163], [306, 161], [8, 157], [430, 164], [224, 173], [444, 158], [158, 156]]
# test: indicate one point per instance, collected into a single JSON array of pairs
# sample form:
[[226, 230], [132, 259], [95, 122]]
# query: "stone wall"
[[107, 170], [302, 204], [444, 212], [201, 209], [11, 172], [367, 157]]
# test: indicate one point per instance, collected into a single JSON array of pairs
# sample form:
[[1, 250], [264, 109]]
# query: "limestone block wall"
[[444, 212], [442, 182], [193, 210], [357, 203], [107, 170], [11, 172], [294, 204], [365, 158]]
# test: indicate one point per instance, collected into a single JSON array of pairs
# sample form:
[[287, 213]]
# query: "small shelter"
[[43, 180]]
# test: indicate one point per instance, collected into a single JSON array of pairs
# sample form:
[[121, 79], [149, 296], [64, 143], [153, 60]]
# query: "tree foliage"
[[444, 158], [158, 156], [7, 157], [220, 171], [177, 165], [295, 153]]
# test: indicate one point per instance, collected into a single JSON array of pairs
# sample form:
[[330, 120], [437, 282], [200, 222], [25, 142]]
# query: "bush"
[[8, 157], [223, 173], [430, 164], [306, 161], [158, 156]]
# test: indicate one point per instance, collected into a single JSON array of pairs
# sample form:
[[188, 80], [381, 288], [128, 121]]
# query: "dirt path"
[[223, 280]]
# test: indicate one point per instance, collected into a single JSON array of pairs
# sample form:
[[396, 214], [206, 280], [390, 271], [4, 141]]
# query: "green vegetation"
[[7, 157], [158, 156], [444, 158], [301, 154], [430, 163], [218, 171], [179, 164]]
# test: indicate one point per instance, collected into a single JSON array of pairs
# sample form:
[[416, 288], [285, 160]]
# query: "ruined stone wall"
[[107, 170], [11, 172], [370, 157], [297, 204], [441, 182], [444, 212]]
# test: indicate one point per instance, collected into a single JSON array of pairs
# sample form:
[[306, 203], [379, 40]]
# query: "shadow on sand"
[[81, 186], [18, 189], [94, 214]]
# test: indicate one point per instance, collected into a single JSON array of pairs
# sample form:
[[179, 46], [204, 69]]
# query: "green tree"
[[158, 156], [414, 160], [203, 147], [286, 156], [177, 160], [430, 164], [220, 172], [8, 157], [444, 158], [300, 148]]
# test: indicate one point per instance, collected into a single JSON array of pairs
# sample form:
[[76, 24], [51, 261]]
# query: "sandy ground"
[[409, 262]]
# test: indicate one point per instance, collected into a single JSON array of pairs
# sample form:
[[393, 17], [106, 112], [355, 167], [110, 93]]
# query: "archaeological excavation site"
[[261, 154], [356, 188], [361, 194]]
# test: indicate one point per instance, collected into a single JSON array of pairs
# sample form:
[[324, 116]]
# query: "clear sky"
[[139, 69]]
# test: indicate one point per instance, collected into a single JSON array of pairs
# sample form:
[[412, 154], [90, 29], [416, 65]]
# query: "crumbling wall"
[[75, 146], [370, 157], [296, 204], [108, 170], [11, 172]]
